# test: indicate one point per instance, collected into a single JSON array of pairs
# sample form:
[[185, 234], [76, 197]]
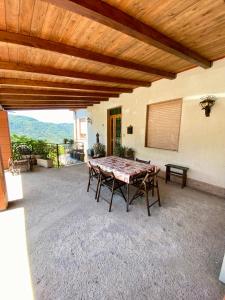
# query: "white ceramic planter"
[[46, 163]]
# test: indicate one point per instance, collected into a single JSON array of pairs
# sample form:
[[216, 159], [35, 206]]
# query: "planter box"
[[46, 163]]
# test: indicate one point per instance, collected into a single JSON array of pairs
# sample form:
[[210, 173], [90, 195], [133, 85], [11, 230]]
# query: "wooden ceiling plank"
[[114, 18], [25, 91], [42, 108], [44, 104], [38, 43], [61, 85], [30, 97], [4, 101], [68, 73]]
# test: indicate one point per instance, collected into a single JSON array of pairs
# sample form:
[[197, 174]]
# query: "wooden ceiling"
[[75, 53]]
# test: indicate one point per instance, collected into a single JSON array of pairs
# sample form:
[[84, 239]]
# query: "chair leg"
[[96, 193], [147, 203], [110, 205], [89, 182], [121, 191], [157, 186], [128, 196], [153, 187], [99, 190]]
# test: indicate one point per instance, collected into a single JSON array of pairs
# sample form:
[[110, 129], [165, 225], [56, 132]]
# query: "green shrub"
[[99, 149], [39, 147]]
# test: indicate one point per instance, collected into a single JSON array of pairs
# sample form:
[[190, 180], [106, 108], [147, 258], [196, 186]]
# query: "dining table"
[[123, 169]]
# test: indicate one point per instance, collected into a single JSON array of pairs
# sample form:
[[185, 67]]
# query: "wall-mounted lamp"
[[130, 129], [89, 120], [207, 103]]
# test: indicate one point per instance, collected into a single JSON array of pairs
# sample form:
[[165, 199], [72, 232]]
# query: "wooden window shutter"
[[163, 124]]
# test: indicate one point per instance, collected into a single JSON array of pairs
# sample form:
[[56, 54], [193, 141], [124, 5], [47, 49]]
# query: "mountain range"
[[52, 132]]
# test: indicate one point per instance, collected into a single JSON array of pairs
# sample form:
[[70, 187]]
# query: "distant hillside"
[[53, 133]]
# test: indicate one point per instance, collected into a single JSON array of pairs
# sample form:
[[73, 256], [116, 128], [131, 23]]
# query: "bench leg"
[[184, 179], [167, 174]]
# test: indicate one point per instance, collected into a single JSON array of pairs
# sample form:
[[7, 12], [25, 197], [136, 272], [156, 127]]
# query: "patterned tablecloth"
[[123, 169]]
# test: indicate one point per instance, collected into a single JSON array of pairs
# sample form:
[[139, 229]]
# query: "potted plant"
[[129, 153], [119, 150], [45, 162], [122, 151], [99, 150], [91, 152], [46, 151]]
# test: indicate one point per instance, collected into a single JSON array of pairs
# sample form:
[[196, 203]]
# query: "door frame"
[[108, 127]]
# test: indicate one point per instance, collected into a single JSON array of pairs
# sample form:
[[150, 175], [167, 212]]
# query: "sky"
[[52, 116]]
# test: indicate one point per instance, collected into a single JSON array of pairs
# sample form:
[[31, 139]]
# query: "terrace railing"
[[61, 154]]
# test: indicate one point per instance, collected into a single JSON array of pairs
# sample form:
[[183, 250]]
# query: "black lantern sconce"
[[130, 129], [207, 103]]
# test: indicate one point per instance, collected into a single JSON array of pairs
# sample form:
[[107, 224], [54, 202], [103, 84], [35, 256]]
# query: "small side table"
[[181, 173]]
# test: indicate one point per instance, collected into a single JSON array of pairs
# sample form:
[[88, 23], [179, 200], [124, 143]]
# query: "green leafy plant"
[[119, 150], [39, 147], [129, 153], [99, 149], [123, 151]]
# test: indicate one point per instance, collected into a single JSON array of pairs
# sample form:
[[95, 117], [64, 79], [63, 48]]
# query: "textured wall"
[[202, 140]]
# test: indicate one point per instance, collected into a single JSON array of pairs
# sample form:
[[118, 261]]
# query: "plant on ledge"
[[123, 151], [119, 150], [99, 150]]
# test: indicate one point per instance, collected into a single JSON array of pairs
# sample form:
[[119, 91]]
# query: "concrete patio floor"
[[77, 250]]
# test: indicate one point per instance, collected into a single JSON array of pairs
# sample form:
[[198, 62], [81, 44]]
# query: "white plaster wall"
[[202, 140]]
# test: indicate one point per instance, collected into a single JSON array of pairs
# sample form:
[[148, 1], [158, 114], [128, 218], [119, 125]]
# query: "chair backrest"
[[154, 172], [151, 175], [143, 161], [93, 169], [106, 174]]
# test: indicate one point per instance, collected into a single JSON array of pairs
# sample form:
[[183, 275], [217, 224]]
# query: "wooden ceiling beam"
[[12, 101], [62, 85], [25, 91], [43, 107], [114, 18], [38, 43], [31, 103], [68, 73], [53, 98]]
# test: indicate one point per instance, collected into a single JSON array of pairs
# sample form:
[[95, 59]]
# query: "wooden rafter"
[[114, 18], [68, 73], [53, 98], [40, 103], [61, 85], [38, 43], [44, 101], [42, 108], [29, 104], [25, 91]]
